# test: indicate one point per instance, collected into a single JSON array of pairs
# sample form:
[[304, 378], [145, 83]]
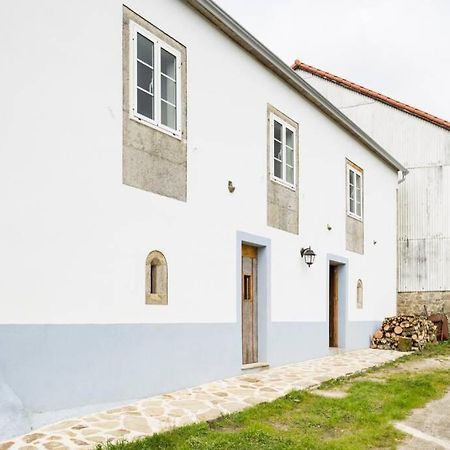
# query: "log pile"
[[404, 333]]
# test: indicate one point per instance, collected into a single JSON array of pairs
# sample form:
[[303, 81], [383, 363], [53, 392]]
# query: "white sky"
[[400, 48]]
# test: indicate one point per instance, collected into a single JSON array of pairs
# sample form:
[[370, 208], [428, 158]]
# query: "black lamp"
[[308, 254]]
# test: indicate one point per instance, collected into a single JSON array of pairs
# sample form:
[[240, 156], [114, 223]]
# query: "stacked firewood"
[[404, 333]]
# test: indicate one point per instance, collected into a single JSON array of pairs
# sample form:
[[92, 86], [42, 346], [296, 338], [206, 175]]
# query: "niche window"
[[155, 81], [283, 137], [359, 294], [156, 279], [354, 192]]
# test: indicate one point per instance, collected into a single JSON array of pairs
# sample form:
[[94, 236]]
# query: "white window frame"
[[357, 172], [158, 44], [273, 117]]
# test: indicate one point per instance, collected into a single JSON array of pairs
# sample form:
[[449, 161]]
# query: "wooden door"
[[249, 309], [333, 317]]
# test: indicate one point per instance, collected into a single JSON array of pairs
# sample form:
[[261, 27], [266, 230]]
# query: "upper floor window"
[[354, 191], [155, 81], [283, 138]]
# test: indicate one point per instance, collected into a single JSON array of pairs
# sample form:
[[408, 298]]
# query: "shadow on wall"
[[14, 419]]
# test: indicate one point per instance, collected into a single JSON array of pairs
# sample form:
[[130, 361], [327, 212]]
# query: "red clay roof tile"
[[373, 94]]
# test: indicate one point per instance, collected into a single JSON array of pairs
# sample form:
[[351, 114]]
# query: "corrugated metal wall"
[[424, 230], [423, 198]]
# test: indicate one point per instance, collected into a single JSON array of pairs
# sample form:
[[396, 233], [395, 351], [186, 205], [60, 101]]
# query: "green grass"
[[302, 420]]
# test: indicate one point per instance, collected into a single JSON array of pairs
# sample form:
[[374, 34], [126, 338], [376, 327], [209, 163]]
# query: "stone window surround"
[[282, 200], [156, 259], [351, 165], [359, 294], [354, 227], [153, 160]]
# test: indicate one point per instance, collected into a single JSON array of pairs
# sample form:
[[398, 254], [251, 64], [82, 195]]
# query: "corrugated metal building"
[[421, 142]]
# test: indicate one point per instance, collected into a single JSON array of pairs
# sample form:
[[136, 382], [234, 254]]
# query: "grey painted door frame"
[[342, 264], [263, 287]]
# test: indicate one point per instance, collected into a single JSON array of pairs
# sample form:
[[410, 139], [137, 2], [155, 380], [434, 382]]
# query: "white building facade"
[[422, 143], [159, 181]]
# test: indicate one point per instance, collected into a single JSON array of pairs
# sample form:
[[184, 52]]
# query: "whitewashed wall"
[[424, 197], [74, 240]]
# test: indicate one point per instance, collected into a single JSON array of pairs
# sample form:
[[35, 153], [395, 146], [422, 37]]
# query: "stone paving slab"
[[429, 427], [205, 402]]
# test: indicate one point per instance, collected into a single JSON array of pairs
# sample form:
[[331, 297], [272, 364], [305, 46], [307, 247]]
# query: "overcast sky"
[[400, 48]]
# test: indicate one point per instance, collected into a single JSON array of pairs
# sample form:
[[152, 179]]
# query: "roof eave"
[[408, 109], [241, 36]]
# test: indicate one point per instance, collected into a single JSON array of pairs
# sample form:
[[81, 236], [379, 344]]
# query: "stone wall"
[[413, 302]]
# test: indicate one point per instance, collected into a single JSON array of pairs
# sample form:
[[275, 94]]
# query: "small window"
[[359, 294], [354, 192], [283, 138], [156, 279], [156, 68]]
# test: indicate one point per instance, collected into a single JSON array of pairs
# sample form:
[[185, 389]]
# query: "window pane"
[[289, 138], [358, 209], [168, 90], [247, 288], [352, 206], [153, 279], [352, 177], [145, 77], [290, 157], [277, 150], [290, 175], [145, 49], [277, 130], [358, 180], [352, 192], [145, 104], [358, 195], [277, 169], [168, 64], [168, 115]]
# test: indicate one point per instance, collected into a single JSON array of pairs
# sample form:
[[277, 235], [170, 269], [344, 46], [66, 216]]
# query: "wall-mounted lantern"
[[308, 255]]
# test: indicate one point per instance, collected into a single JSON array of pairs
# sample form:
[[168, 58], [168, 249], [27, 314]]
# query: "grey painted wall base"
[[53, 367], [48, 368], [359, 334], [297, 341]]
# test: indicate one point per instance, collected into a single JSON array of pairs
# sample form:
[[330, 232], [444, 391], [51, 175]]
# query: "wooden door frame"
[[342, 269], [263, 287], [333, 306]]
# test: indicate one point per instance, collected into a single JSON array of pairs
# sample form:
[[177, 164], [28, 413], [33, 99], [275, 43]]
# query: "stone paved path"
[[196, 404]]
